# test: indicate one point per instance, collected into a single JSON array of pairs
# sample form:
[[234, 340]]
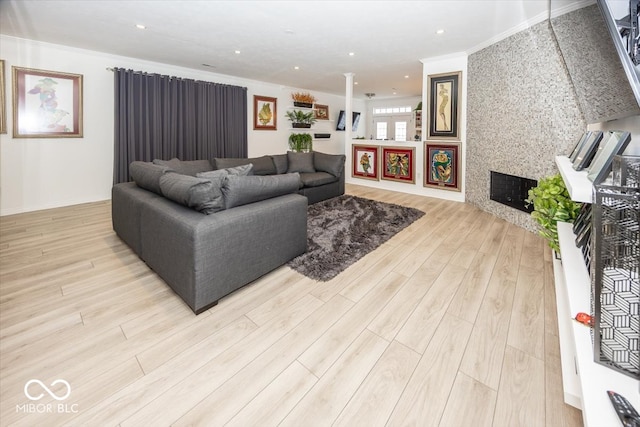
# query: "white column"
[[348, 108]]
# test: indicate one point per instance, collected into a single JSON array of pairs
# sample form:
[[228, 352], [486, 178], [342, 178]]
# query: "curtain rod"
[[180, 78]]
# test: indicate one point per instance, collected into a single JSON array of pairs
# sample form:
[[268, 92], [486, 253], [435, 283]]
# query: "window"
[[401, 131], [381, 130], [391, 110]]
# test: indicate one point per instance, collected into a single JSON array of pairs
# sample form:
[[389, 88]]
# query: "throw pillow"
[[261, 165], [300, 162], [281, 163], [185, 167], [147, 175], [242, 190], [197, 193], [330, 163], [244, 170]]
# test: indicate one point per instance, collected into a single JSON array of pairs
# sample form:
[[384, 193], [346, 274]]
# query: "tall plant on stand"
[[552, 203]]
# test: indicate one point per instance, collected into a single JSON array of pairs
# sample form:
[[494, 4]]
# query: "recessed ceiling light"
[[351, 53], [237, 52], [440, 32], [406, 77], [141, 27], [395, 93], [296, 68], [355, 83]]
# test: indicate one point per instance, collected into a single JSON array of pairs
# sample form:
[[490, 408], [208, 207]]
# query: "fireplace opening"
[[511, 190]]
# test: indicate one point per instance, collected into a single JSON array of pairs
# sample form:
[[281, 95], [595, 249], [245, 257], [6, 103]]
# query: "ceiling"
[[387, 38]]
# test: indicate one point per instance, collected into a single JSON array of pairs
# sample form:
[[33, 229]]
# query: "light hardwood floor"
[[450, 323]]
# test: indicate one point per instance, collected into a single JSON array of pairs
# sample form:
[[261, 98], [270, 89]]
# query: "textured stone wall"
[[521, 113], [600, 83]]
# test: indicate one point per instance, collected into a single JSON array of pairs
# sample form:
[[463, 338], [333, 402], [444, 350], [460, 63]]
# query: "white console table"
[[585, 382]]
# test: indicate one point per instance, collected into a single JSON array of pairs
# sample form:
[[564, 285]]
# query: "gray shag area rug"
[[342, 230]]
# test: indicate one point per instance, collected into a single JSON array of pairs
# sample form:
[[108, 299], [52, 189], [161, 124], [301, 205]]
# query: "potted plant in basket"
[[552, 203], [303, 99], [300, 142], [300, 119]]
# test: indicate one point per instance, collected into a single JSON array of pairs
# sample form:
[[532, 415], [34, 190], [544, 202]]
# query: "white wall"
[[40, 173], [369, 130]]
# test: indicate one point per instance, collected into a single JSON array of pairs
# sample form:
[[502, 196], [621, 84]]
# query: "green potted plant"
[[300, 142], [552, 203], [301, 119]]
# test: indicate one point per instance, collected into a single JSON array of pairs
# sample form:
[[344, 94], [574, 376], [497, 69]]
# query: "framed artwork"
[[398, 164], [265, 113], [3, 104], [574, 153], [601, 165], [46, 104], [321, 112], [365, 162], [587, 151], [444, 94], [442, 165]]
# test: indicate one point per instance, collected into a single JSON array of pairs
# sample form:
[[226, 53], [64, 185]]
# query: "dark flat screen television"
[[342, 121]]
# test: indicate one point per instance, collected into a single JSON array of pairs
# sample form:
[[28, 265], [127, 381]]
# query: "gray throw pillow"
[[330, 163], [147, 175], [261, 165], [196, 193], [185, 167], [300, 162], [244, 170], [242, 190], [281, 163]]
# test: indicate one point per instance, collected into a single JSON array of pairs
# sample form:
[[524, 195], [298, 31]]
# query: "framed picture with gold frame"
[[46, 104], [321, 112], [265, 113], [398, 164], [444, 95], [365, 162], [442, 165]]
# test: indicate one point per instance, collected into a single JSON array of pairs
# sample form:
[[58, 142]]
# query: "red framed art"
[[365, 162], [442, 165], [398, 164]]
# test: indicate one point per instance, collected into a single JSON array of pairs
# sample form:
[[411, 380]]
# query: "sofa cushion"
[[242, 190], [185, 167], [147, 175], [197, 193], [330, 163], [261, 165], [317, 179], [300, 162], [242, 170], [281, 163]]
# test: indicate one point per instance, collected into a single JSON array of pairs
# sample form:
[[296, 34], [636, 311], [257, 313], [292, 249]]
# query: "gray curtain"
[[161, 117]]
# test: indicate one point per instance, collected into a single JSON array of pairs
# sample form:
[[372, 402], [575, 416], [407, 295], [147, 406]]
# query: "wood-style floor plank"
[[374, 400], [470, 402], [425, 397], [521, 395], [453, 318]]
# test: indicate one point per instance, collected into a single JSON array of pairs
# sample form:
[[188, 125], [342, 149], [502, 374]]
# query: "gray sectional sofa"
[[208, 230]]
